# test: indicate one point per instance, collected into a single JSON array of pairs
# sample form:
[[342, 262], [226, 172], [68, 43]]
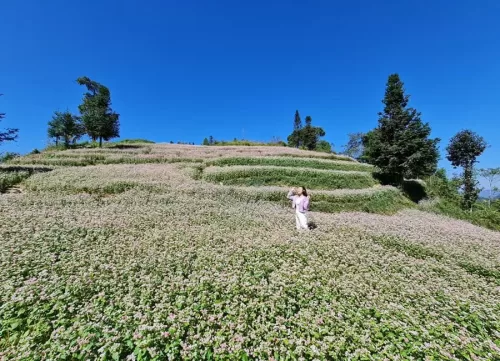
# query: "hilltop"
[[157, 251]]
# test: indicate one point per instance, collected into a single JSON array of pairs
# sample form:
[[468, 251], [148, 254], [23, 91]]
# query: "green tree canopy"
[[307, 137], [99, 120], [65, 126], [463, 150], [400, 146]]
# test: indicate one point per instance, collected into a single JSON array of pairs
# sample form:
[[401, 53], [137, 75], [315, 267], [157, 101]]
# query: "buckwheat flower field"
[[130, 259]]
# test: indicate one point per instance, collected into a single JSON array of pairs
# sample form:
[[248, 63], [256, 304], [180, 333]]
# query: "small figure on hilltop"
[[300, 201]]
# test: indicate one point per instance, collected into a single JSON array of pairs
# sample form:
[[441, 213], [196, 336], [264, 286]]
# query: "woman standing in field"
[[300, 201]]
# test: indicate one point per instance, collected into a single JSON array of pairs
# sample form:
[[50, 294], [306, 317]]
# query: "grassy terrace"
[[292, 162], [283, 176]]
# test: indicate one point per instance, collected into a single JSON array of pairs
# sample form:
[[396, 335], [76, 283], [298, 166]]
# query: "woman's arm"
[[291, 194]]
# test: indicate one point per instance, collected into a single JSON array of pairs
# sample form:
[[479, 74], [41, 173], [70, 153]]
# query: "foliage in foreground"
[[195, 274], [173, 268]]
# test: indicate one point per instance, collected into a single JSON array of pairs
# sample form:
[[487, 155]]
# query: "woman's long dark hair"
[[304, 191]]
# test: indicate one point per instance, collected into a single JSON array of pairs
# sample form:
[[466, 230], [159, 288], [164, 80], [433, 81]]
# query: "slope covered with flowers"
[[153, 262]]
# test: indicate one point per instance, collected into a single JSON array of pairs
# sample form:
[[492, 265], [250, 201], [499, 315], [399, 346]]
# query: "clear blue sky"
[[184, 70]]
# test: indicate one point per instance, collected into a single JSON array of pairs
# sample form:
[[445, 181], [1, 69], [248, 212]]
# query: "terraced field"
[[163, 252]]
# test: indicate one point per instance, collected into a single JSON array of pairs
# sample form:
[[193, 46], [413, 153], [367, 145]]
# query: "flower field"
[[155, 260]]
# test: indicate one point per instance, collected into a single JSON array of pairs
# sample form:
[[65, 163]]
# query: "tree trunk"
[[100, 142]]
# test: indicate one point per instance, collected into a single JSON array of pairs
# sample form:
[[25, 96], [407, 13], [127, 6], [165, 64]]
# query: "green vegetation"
[[463, 150], [380, 201], [289, 176], [10, 176], [10, 179], [67, 127], [318, 156], [291, 162], [100, 121], [307, 137], [168, 258], [444, 198], [400, 146], [95, 159], [108, 188]]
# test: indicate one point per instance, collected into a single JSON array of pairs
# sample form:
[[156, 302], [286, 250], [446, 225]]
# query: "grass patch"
[[291, 162], [282, 176]]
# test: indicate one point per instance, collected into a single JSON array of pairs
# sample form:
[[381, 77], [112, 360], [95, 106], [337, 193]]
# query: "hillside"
[[155, 252]]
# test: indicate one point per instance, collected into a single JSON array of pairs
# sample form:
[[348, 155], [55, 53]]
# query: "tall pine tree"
[[294, 138], [400, 146]]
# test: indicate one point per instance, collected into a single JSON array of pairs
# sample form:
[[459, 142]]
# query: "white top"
[[297, 202]]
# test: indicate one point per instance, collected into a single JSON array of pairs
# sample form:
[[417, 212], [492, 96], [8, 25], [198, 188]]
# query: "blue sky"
[[184, 70]]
